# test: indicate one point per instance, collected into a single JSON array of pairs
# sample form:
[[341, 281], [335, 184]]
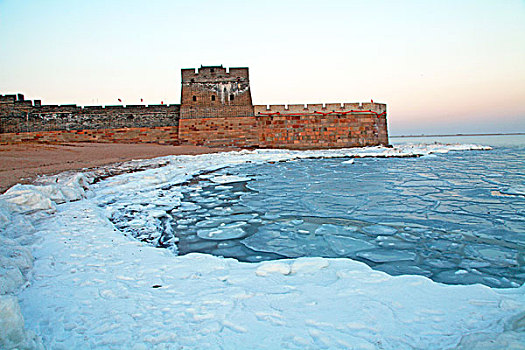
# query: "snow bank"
[[15, 264], [93, 287], [13, 335], [16, 261]]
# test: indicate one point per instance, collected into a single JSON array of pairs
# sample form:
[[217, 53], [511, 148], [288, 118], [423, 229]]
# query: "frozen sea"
[[419, 246], [457, 218]]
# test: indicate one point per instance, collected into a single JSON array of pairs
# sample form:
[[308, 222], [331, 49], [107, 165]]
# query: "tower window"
[[213, 97], [212, 70], [231, 97], [194, 98], [192, 80]]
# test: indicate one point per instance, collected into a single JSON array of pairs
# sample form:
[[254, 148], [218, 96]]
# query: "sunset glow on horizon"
[[440, 66]]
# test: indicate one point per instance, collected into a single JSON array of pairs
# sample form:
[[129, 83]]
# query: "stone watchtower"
[[215, 92], [216, 107]]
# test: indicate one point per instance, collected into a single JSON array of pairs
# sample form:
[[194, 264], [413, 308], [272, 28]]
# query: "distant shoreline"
[[454, 135]]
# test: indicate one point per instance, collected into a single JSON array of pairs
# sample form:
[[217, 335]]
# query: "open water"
[[457, 218]]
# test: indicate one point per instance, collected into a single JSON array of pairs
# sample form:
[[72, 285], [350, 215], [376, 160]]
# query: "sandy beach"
[[23, 163]]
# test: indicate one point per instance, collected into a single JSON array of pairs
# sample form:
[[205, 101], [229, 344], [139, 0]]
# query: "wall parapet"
[[16, 100], [20, 115], [206, 74], [320, 108]]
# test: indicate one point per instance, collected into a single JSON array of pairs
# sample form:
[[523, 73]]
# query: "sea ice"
[[188, 206], [336, 230], [344, 246], [13, 335], [279, 239], [223, 232], [387, 255], [93, 287], [380, 230], [202, 245], [494, 254], [402, 268], [394, 242], [227, 179], [27, 199], [459, 277]]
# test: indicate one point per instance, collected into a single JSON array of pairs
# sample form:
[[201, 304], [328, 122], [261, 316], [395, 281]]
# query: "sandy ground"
[[22, 163]]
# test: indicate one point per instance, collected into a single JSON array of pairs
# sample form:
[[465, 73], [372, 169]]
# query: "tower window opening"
[[212, 70], [192, 80], [213, 97], [194, 98], [232, 97]]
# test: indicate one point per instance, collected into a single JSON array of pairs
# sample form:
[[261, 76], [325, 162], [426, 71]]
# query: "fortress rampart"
[[216, 110], [322, 126], [20, 115]]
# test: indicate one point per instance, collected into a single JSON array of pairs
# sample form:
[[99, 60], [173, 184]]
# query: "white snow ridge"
[[91, 286]]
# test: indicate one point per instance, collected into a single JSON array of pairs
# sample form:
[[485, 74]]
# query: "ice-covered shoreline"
[[85, 267]]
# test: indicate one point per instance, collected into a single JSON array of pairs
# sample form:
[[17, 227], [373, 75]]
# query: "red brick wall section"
[[160, 135], [229, 131], [318, 126], [317, 131]]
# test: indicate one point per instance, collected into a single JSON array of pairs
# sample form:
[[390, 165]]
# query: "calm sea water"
[[457, 218]]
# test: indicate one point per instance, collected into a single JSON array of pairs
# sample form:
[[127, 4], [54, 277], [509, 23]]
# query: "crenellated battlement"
[[20, 115], [7, 98], [214, 91], [206, 74], [320, 108]]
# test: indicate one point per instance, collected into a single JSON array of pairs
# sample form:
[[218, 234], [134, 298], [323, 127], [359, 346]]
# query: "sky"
[[440, 66]]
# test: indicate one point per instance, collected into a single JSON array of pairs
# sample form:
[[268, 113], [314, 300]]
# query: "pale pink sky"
[[441, 66]]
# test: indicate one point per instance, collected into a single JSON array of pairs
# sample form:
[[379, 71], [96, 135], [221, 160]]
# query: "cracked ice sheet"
[[92, 287]]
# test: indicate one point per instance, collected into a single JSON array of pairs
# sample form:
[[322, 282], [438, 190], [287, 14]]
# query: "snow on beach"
[[91, 286]]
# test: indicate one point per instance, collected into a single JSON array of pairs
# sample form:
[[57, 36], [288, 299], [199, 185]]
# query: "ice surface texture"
[[441, 208], [94, 287], [434, 216]]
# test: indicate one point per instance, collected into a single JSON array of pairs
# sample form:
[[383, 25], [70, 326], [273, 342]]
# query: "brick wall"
[[160, 135], [214, 85], [216, 108], [213, 91], [19, 115], [322, 126], [220, 131]]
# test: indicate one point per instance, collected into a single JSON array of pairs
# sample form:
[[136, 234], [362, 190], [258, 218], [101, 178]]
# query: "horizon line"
[[459, 134]]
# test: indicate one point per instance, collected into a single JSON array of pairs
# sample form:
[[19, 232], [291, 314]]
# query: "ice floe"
[[92, 286]]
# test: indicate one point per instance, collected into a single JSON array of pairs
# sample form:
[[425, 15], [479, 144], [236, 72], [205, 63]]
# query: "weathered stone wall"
[[216, 108], [322, 126], [19, 115], [293, 126], [215, 92], [220, 131], [160, 135]]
